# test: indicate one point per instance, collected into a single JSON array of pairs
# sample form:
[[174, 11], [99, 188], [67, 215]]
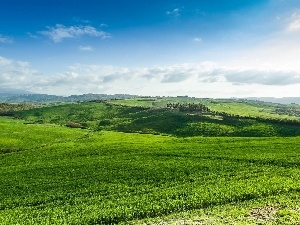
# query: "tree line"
[[201, 108], [189, 107]]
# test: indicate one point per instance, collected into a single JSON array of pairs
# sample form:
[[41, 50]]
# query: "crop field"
[[52, 174]]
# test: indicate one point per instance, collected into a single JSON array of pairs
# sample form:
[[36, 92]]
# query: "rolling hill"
[[172, 116], [150, 161]]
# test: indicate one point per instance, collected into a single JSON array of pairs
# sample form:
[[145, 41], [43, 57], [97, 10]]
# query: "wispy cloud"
[[294, 23], [174, 12], [31, 35], [103, 25], [5, 39], [79, 20], [86, 48], [60, 32], [197, 39]]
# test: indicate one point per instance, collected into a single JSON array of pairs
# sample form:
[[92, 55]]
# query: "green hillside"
[[231, 106], [137, 116], [58, 175], [150, 161]]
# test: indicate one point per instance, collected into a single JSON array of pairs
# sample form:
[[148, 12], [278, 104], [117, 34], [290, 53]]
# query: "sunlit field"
[[52, 174]]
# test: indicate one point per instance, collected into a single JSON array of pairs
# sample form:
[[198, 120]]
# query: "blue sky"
[[202, 48]]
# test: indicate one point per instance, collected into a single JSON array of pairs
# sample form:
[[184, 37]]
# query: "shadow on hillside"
[[180, 124]]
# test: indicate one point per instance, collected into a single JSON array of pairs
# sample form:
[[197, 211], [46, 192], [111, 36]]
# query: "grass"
[[196, 169], [60, 175], [278, 209]]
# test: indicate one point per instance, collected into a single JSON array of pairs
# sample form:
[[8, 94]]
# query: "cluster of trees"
[[291, 111], [76, 125], [6, 108], [280, 121], [201, 108], [286, 121], [189, 107], [105, 102]]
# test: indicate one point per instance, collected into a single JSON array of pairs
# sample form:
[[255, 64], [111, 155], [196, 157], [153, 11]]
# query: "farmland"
[[129, 166]]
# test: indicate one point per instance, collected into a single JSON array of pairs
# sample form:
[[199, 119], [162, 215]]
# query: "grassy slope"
[[277, 209], [72, 176], [100, 116], [243, 108]]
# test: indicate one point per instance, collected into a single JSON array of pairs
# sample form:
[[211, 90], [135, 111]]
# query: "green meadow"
[[137, 162]]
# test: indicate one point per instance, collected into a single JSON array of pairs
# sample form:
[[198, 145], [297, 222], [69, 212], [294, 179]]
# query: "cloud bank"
[[206, 78], [16, 74]]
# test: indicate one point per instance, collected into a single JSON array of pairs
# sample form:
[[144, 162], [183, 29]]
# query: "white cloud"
[[253, 76], [5, 39], [193, 75], [86, 48], [103, 25], [31, 35], [197, 39], [79, 20], [4, 62], [206, 79], [16, 74], [294, 23], [60, 32], [174, 12]]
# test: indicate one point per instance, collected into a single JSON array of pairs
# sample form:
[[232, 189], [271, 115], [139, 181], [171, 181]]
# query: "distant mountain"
[[284, 100], [10, 91], [21, 96], [44, 98]]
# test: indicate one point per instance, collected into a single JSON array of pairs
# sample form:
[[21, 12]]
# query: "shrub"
[[75, 125]]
